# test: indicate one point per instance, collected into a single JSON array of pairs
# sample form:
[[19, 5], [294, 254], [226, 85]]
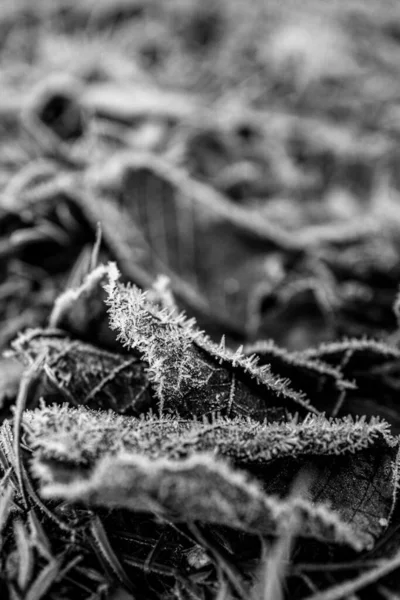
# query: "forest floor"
[[199, 299]]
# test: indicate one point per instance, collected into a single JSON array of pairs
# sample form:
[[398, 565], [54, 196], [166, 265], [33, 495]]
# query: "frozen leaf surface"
[[82, 311], [221, 258], [374, 368], [353, 464], [319, 380], [197, 489], [190, 374], [84, 374], [81, 436]]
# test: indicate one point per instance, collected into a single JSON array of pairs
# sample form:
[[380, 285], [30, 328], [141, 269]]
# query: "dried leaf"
[[316, 378], [354, 464], [373, 366], [176, 490], [79, 436], [219, 257], [84, 374], [82, 311], [191, 375], [349, 352]]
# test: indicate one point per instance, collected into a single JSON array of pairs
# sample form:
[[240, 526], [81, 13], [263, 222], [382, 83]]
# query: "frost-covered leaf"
[[373, 366], [350, 353], [361, 487], [82, 311], [354, 464], [197, 489], [190, 374], [80, 436], [84, 374], [222, 259], [316, 378]]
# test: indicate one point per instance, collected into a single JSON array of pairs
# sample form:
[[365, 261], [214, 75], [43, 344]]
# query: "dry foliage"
[[178, 179]]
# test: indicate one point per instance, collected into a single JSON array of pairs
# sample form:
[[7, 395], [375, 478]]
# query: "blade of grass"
[[5, 508], [43, 582], [38, 536], [94, 259], [219, 560], [101, 541], [343, 590], [38, 502], [25, 554], [27, 381]]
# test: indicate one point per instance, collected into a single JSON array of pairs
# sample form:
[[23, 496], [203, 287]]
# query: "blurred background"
[[249, 151]]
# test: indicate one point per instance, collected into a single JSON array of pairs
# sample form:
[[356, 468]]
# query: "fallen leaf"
[[84, 374], [190, 375], [80, 436], [353, 464], [175, 490], [220, 258]]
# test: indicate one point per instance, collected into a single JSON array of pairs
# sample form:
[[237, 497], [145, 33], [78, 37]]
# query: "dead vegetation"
[[178, 179]]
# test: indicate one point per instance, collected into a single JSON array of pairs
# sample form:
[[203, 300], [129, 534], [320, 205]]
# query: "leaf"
[[78, 436], [349, 352], [84, 374], [354, 464], [316, 378], [222, 259], [373, 366], [82, 311], [191, 375], [361, 487], [197, 489]]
